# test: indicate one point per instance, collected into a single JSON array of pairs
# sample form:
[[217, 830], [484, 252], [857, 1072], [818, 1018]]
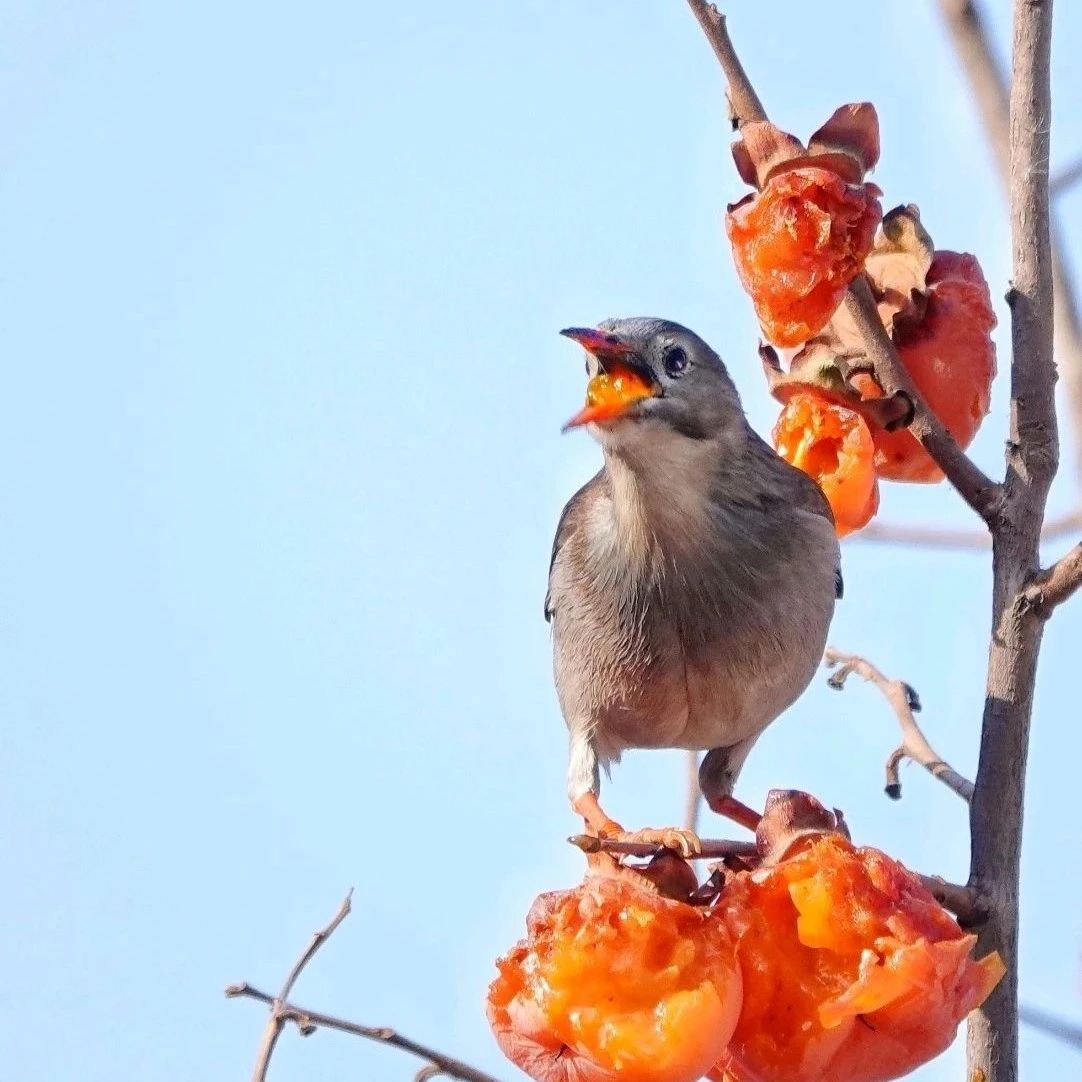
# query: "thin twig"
[[1070, 1033], [276, 1023], [963, 902], [307, 1021], [990, 91], [1052, 587], [895, 533], [712, 849], [981, 493], [744, 103], [903, 700]]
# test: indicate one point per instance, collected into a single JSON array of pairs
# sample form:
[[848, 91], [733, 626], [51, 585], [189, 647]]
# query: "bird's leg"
[[736, 810], [597, 822], [717, 775], [583, 785]]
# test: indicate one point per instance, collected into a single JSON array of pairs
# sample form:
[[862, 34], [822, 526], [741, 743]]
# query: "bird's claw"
[[684, 842]]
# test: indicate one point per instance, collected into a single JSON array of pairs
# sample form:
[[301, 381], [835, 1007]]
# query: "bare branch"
[[713, 849], [892, 533], [307, 1021], [963, 902], [1052, 587], [989, 87], [276, 1023], [744, 103], [1070, 1033], [903, 700], [981, 493]]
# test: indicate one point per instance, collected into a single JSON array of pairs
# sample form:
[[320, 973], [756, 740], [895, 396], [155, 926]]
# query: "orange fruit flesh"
[[851, 969], [834, 447], [644, 988]]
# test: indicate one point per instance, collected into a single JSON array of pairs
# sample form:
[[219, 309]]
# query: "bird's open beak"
[[618, 386]]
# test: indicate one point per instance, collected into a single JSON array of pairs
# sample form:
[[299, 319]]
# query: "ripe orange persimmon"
[[616, 984], [833, 445], [798, 244], [950, 355], [852, 971]]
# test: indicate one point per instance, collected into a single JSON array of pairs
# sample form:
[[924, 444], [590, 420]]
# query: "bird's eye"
[[676, 361]]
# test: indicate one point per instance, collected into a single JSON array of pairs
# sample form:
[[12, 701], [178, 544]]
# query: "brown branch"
[[276, 1023], [283, 1012], [1070, 1033], [744, 103], [308, 1021], [989, 87], [895, 533], [1032, 456], [980, 492], [1053, 586], [964, 902], [903, 700], [712, 849]]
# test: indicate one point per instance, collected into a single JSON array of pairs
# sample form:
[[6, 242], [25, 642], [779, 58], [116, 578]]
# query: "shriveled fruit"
[[949, 353], [833, 445], [852, 970], [614, 982], [798, 244]]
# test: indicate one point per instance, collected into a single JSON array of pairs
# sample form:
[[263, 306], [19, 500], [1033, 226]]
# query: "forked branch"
[[905, 702]]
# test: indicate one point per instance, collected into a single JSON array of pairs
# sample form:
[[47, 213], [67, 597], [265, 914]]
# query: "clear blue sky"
[[281, 466]]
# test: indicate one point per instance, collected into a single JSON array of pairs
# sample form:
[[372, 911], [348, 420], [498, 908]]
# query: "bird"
[[692, 580]]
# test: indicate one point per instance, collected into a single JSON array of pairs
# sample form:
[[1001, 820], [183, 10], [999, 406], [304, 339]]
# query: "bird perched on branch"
[[692, 580]]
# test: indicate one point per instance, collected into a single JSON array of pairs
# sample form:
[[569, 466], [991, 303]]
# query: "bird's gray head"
[[653, 382]]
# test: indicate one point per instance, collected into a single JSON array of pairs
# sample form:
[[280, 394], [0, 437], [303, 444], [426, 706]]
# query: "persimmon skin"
[[798, 244], [951, 358], [852, 971], [616, 984], [834, 446]]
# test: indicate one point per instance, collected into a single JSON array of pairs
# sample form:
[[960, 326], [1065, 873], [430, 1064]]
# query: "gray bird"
[[692, 580]]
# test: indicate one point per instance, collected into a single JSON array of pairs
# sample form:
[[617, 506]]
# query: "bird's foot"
[[684, 842]]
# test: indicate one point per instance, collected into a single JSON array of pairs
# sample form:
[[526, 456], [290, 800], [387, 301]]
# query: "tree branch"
[[891, 533], [1032, 454], [903, 700], [308, 1021], [989, 87], [694, 800], [1070, 1033], [981, 493], [1053, 586], [713, 849]]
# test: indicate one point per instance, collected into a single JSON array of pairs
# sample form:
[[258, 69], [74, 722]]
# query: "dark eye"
[[676, 361]]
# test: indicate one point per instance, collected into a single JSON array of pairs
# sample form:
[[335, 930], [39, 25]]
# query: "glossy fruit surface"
[[798, 244], [614, 982], [852, 971], [833, 445]]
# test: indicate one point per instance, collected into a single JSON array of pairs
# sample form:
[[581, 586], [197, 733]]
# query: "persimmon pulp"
[[834, 447], [616, 984], [610, 393]]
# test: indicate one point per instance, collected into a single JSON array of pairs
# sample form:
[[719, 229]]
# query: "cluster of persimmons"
[[812, 959], [799, 241]]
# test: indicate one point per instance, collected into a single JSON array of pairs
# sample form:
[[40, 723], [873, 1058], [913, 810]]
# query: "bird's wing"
[[570, 520]]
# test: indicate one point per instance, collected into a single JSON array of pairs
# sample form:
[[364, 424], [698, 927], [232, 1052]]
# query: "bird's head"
[[653, 383]]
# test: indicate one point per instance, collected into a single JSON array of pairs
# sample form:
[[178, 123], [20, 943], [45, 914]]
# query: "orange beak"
[[618, 385]]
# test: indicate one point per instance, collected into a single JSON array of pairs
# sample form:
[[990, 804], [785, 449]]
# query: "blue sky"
[[282, 463]]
